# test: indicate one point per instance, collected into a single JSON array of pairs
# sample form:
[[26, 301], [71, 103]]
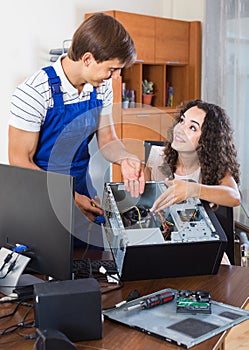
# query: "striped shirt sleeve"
[[29, 103]]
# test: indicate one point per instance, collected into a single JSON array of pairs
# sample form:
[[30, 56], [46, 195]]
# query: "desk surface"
[[230, 286]]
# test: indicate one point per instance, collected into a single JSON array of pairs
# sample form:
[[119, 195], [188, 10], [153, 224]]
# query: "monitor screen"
[[36, 210]]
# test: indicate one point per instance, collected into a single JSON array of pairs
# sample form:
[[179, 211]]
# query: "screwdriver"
[[158, 299]]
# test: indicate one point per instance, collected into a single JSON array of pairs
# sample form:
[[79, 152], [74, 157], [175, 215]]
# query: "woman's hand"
[[177, 191], [133, 176]]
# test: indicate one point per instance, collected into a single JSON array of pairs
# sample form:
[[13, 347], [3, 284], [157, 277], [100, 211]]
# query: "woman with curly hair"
[[200, 149]]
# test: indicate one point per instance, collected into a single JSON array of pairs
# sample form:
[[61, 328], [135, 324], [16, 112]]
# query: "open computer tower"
[[182, 240]]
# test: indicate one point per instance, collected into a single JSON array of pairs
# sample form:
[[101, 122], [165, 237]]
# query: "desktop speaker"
[[72, 307]]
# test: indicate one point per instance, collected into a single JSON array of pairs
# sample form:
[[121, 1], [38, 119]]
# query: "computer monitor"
[[36, 210]]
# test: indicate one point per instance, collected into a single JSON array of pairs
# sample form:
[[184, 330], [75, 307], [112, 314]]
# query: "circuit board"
[[193, 301]]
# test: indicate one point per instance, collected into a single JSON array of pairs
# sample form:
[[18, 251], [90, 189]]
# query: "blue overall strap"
[[55, 84]]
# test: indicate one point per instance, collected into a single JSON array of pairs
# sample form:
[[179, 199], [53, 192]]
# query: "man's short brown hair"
[[105, 38]]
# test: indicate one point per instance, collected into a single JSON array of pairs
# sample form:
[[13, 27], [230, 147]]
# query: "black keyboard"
[[88, 266]]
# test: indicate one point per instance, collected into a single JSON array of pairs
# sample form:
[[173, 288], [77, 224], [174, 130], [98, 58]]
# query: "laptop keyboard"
[[89, 266]]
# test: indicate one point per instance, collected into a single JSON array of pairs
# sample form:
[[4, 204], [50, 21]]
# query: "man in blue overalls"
[[56, 112]]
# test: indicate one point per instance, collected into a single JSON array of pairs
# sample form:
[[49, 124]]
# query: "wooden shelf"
[[175, 74]]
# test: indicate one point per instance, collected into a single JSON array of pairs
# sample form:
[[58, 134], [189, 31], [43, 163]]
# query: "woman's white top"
[[195, 176], [155, 160]]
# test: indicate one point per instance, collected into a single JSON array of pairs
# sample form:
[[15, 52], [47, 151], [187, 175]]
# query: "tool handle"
[[157, 299]]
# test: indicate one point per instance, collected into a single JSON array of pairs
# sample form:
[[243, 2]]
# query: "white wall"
[[192, 10], [30, 28]]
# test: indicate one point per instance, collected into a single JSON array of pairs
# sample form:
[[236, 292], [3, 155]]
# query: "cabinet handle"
[[143, 115]]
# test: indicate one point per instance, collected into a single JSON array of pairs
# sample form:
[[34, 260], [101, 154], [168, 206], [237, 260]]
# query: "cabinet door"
[[167, 120], [142, 124], [116, 115], [137, 127], [172, 41], [142, 30]]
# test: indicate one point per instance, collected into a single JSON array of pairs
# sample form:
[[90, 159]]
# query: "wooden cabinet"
[[172, 41], [168, 53], [167, 120], [182, 71], [142, 30], [117, 115], [163, 76], [139, 124]]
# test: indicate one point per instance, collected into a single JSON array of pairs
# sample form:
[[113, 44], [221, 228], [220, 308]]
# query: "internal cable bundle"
[[141, 216]]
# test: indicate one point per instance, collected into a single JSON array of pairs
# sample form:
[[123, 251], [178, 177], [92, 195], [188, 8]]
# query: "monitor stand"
[[15, 277]]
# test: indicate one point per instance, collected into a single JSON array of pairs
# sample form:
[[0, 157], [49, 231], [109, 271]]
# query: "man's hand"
[[90, 208], [133, 176]]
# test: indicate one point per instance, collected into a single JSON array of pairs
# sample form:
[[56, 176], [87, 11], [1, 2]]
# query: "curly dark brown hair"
[[216, 151]]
